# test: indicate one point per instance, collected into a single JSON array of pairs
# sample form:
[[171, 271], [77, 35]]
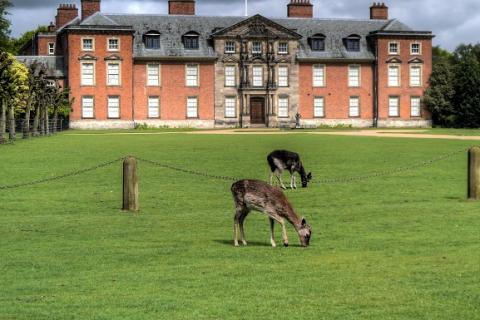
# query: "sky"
[[453, 23]]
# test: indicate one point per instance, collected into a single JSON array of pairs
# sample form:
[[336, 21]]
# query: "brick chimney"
[[65, 14], [181, 7], [379, 11], [89, 8], [300, 9]]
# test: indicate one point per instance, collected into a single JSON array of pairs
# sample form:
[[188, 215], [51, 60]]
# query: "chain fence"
[[328, 181], [62, 176]]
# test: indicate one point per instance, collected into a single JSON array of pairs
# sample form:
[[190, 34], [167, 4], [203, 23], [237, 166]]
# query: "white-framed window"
[[113, 44], [113, 74], [192, 107], [393, 106], [113, 107], [230, 76], [153, 74], [393, 48], [354, 75], [88, 74], [192, 75], [283, 76], [229, 46], [415, 107], [283, 48], [230, 107], [354, 107], [88, 107], [319, 75], [415, 48], [88, 44], [51, 48], [393, 76], [283, 107], [415, 76], [153, 107], [256, 47], [318, 107], [257, 76]]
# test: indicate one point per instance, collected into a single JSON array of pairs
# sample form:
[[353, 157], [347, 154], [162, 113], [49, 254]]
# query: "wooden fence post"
[[130, 184], [474, 173]]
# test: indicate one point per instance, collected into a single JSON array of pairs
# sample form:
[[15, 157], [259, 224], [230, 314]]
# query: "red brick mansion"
[[184, 70]]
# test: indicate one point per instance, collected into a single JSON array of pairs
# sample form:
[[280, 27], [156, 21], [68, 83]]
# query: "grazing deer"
[[279, 160], [257, 195]]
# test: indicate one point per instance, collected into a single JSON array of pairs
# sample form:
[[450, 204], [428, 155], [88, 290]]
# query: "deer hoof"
[[236, 244], [244, 243], [285, 244]]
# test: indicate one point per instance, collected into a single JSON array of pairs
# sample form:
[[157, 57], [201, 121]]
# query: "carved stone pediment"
[[87, 57], [230, 59], [415, 60], [394, 60], [283, 59], [257, 27], [113, 57]]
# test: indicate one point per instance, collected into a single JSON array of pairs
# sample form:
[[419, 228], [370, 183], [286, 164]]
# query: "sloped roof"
[[54, 64], [173, 27]]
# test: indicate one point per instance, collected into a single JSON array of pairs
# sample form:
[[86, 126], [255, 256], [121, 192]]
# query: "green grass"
[[405, 246]]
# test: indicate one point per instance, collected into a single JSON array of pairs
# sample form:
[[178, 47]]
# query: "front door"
[[257, 111]]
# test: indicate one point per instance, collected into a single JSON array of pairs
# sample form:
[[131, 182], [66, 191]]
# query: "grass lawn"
[[405, 246]]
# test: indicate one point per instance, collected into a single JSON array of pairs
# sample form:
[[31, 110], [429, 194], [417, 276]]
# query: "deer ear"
[[304, 222], [309, 176]]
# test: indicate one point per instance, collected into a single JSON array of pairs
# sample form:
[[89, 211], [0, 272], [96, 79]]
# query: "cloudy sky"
[[453, 22]]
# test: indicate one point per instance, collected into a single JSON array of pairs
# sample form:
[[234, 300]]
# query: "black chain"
[[63, 176], [322, 181], [389, 172], [227, 178], [191, 172]]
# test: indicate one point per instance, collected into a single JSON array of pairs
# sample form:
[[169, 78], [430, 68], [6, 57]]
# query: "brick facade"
[[270, 65]]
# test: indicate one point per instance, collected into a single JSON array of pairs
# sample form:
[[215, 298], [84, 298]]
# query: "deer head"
[[305, 178], [305, 233]]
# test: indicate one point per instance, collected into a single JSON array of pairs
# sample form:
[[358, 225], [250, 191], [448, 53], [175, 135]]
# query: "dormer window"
[[152, 40], [317, 42], [191, 41], [352, 43]]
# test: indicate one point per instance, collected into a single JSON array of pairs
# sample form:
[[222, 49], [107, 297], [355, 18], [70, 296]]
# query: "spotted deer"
[[280, 160], [257, 195]]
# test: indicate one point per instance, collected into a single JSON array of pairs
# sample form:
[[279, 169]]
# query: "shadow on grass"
[[255, 244]]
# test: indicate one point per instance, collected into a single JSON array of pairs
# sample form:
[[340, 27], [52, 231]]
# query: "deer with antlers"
[[257, 195]]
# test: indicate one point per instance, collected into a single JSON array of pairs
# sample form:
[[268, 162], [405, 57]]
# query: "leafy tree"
[[4, 24], [13, 92], [438, 97], [466, 98]]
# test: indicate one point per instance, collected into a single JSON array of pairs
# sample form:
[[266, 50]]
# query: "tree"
[[466, 98], [4, 24], [438, 97], [13, 92]]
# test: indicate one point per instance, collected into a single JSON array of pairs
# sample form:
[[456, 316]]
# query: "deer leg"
[[279, 177], [240, 208], [294, 181], [271, 179], [284, 229], [284, 233], [272, 235], [242, 231], [292, 178]]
